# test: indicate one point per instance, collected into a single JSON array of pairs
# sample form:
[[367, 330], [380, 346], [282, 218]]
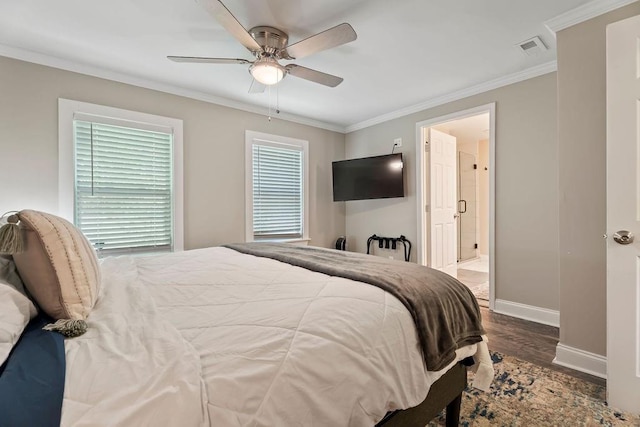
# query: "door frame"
[[422, 188]]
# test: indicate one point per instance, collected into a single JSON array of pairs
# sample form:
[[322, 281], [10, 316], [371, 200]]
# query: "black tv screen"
[[376, 177]]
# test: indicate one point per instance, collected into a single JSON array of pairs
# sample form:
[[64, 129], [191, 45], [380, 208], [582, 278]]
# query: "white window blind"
[[278, 192], [123, 187]]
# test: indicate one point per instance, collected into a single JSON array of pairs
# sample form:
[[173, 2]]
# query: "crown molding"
[[529, 73], [572, 17], [77, 67], [584, 13]]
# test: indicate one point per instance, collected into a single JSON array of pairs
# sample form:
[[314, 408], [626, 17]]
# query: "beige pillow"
[[58, 266]]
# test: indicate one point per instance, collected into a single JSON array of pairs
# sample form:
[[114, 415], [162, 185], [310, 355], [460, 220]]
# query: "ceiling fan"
[[269, 45]]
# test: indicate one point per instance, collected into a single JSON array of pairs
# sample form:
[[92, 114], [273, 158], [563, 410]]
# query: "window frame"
[[69, 110], [259, 138]]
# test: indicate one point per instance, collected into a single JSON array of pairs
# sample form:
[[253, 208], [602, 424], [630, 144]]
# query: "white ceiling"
[[469, 129], [407, 51]]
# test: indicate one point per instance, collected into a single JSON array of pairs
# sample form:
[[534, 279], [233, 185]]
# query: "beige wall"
[[213, 150], [582, 180], [470, 147], [526, 189]]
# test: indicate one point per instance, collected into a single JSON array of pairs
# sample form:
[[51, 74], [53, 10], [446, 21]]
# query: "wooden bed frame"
[[444, 393]]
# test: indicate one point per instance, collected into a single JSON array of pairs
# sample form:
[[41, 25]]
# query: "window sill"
[[133, 253], [304, 241]]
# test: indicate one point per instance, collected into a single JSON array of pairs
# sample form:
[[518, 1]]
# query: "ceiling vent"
[[532, 47]]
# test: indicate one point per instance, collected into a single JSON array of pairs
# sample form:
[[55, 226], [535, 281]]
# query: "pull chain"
[[277, 100], [269, 96]]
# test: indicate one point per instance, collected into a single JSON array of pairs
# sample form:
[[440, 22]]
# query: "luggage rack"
[[391, 243]]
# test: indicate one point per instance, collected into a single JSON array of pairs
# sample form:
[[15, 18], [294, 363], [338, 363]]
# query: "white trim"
[[583, 13], [77, 67], [66, 160], [178, 187], [492, 206], [274, 140], [528, 312], [299, 242], [421, 197], [118, 121], [68, 109], [529, 73], [90, 70], [580, 360]]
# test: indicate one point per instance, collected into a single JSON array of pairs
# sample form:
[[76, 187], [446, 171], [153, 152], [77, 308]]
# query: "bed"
[[220, 337]]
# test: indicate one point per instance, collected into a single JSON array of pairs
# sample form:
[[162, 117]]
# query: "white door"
[[623, 213], [442, 204]]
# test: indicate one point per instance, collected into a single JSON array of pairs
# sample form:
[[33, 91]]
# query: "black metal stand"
[[391, 243]]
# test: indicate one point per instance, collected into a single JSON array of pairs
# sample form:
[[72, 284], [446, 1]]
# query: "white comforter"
[[215, 337]]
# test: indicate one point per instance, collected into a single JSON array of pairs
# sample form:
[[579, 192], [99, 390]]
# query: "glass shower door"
[[467, 207]]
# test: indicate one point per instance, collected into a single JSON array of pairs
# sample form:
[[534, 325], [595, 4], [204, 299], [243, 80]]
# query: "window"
[[121, 177], [277, 187]]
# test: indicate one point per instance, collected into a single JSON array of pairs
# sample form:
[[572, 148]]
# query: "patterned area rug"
[[524, 394], [476, 281], [480, 291]]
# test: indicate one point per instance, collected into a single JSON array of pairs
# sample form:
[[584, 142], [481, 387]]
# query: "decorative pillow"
[[16, 310], [58, 265]]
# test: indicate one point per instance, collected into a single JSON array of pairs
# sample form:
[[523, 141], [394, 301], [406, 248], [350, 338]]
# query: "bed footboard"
[[444, 393]]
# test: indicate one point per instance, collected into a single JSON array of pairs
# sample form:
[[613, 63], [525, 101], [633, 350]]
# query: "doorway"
[[473, 133]]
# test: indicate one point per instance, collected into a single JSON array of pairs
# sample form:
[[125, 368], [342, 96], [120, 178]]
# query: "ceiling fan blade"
[[332, 37], [201, 60], [219, 11], [256, 87], [313, 75]]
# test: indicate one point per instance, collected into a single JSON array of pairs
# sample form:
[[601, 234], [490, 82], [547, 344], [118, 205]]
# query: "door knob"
[[623, 237]]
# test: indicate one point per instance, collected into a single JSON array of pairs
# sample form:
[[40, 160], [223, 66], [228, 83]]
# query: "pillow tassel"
[[68, 327], [11, 237]]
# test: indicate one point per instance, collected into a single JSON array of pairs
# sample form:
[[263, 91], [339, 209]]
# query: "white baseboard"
[[528, 312], [580, 360]]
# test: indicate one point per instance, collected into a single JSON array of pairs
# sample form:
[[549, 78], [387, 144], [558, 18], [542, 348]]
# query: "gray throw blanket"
[[444, 310]]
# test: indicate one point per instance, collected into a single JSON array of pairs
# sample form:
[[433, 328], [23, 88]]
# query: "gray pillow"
[[9, 274], [16, 309]]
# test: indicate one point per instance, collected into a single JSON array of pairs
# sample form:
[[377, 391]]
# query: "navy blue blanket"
[[32, 378]]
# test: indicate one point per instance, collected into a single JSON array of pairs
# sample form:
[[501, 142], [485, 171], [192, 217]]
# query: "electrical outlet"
[[390, 256], [397, 142]]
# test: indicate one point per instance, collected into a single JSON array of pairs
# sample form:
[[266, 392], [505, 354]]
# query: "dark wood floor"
[[530, 341]]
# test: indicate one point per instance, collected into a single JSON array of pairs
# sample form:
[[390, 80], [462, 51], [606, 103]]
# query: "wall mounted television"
[[378, 177]]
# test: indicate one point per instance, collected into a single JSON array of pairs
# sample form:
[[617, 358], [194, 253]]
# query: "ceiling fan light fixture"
[[267, 71]]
